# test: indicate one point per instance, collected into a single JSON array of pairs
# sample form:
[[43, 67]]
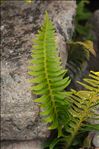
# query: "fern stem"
[[74, 134], [78, 126], [46, 71]]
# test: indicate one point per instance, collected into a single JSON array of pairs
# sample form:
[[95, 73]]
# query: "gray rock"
[[96, 140], [61, 46], [20, 116], [35, 144]]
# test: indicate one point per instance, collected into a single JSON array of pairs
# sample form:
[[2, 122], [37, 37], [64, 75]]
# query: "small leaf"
[[41, 99]]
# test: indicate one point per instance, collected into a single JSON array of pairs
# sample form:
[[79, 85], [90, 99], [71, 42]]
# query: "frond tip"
[[48, 77]]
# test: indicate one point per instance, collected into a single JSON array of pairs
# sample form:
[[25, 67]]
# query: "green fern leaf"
[[48, 76]]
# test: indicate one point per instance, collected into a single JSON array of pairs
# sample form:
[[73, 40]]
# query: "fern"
[[82, 107], [65, 111], [48, 77], [78, 56], [78, 53], [82, 15]]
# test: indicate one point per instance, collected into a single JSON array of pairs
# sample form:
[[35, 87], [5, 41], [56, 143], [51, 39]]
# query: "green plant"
[[82, 110], [66, 111], [83, 104], [49, 74], [81, 46], [78, 56], [82, 28]]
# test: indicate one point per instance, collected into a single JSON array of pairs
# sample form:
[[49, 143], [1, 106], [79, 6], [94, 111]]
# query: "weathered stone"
[[19, 115], [36, 144], [96, 140], [61, 46], [20, 21]]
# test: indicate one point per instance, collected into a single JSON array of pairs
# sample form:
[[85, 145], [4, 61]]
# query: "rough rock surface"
[[96, 140], [20, 21], [22, 145]]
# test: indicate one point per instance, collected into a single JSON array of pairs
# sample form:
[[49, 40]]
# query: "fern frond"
[[48, 77], [91, 83], [82, 29], [78, 56], [77, 59], [82, 13], [82, 107]]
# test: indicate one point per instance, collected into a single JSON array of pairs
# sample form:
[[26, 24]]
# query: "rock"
[[96, 140], [20, 116], [36, 144], [61, 46]]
